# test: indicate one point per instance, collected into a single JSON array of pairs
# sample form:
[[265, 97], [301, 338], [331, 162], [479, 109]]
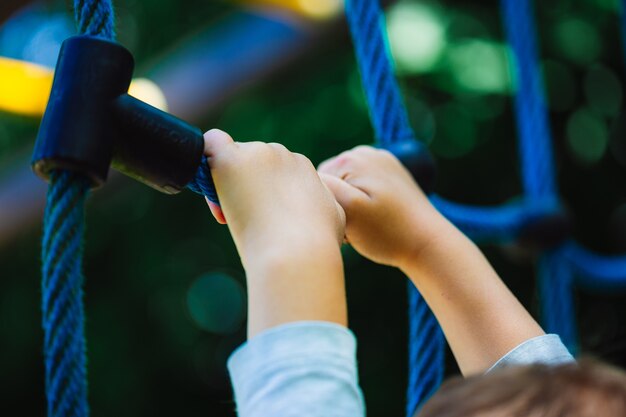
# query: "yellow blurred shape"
[[316, 9], [147, 90], [25, 88]]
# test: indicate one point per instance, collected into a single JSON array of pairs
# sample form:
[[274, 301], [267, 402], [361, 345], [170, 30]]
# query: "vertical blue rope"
[[62, 280], [557, 306], [95, 18], [534, 142], [62, 296], [387, 111], [538, 174], [426, 349], [391, 123]]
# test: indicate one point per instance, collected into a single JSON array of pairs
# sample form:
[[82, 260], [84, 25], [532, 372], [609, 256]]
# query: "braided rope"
[[95, 18], [391, 123], [555, 289], [427, 344], [535, 147], [538, 174], [203, 182], [595, 271], [62, 295], [387, 111], [561, 267]]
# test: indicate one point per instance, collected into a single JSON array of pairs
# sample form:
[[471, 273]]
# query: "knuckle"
[[278, 147]]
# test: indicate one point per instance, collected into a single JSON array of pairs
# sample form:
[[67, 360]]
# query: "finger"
[[216, 140], [346, 195], [216, 211], [339, 166]]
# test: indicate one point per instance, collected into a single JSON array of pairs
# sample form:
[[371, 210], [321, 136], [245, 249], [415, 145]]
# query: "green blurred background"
[[165, 298]]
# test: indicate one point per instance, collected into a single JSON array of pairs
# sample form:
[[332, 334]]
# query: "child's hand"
[[389, 219], [287, 228], [272, 199]]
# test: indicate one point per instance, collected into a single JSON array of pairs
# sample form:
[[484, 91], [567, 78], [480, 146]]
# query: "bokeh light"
[[146, 90], [416, 36], [603, 91], [321, 9], [25, 87], [216, 303], [314, 9], [479, 65], [587, 136], [577, 40]]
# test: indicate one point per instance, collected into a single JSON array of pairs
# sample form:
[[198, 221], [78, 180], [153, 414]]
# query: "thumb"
[[215, 141], [348, 196]]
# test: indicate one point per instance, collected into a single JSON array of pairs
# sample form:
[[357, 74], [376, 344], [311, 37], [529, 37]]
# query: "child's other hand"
[[272, 199], [389, 219]]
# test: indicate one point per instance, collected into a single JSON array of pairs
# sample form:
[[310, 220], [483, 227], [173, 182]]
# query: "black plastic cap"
[[77, 131], [417, 160], [547, 229], [155, 147]]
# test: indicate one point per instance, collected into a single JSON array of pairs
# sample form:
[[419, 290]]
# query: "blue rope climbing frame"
[[559, 268]]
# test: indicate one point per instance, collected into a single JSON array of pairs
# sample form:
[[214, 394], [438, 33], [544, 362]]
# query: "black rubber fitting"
[[91, 122], [417, 160], [77, 131], [155, 147], [546, 229]]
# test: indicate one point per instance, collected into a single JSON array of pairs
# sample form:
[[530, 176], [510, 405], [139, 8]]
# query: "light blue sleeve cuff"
[[547, 349], [303, 369]]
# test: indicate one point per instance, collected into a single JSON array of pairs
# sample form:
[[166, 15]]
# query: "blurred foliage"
[[151, 259]]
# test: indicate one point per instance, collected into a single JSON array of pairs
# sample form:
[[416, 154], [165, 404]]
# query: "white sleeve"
[[546, 349], [301, 369]]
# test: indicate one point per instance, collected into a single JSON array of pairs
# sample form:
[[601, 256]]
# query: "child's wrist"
[[435, 238], [267, 258]]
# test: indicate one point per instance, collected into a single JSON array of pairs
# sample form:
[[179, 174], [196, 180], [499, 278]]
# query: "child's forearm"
[[296, 284], [481, 318]]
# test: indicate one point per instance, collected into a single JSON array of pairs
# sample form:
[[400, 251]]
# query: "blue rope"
[[387, 111], [538, 174], [427, 346], [95, 18], [561, 267], [391, 124], [532, 118], [557, 305], [595, 271], [493, 224], [203, 182], [62, 295]]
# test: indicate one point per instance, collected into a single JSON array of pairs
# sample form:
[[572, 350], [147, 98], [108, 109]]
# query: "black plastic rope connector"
[[547, 228], [417, 160], [91, 123]]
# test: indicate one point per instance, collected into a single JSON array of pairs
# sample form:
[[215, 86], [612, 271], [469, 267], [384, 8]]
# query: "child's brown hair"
[[584, 389]]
